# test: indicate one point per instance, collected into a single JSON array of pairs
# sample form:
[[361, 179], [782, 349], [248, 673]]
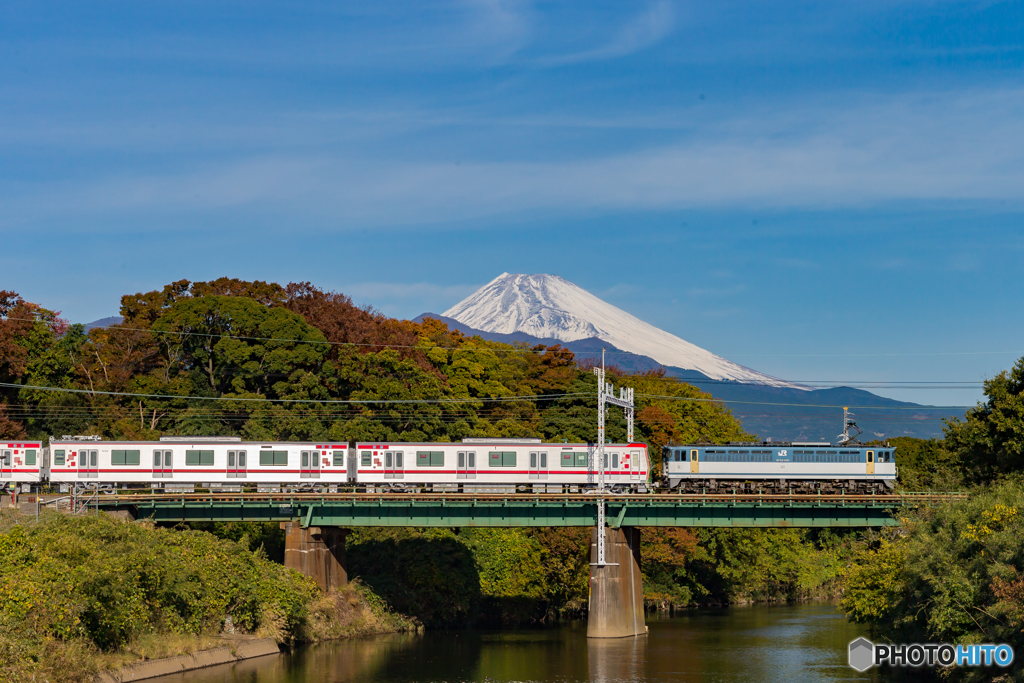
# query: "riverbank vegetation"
[[954, 572], [81, 594]]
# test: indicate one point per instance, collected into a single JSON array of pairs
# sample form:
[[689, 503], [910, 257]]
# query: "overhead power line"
[[498, 399], [537, 397]]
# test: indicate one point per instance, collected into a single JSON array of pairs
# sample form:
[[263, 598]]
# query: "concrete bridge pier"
[[616, 589], [317, 552]]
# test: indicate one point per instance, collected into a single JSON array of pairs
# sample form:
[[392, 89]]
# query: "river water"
[[777, 644]]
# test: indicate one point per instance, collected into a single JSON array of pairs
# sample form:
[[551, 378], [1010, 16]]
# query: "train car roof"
[[775, 444]]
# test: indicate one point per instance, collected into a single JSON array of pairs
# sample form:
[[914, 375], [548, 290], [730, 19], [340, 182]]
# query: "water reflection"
[[782, 644]]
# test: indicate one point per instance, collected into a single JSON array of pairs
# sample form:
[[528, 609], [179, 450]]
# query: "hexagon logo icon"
[[862, 654]]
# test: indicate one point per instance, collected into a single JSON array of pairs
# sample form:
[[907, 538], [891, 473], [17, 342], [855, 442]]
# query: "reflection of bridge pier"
[[616, 659], [616, 590]]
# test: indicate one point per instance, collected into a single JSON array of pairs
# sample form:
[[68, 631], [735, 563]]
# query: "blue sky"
[[821, 191]]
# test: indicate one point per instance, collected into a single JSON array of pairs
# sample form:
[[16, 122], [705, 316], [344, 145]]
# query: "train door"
[[394, 465], [88, 464], [871, 462], [309, 465], [466, 465], [693, 462], [538, 464], [163, 464], [6, 465], [635, 463], [237, 466]]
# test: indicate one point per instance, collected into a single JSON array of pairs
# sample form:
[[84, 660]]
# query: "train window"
[[399, 459], [198, 458], [472, 459], [58, 458], [231, 458], [30, 457], [364, 459], [871, 456], [462, 458], [389, 459], [544, 459], [271, 458], [339, 458], [502, 459], [533, 459], [241, 458], [615, 461], [156, 458], [567, 459], [429, 458], [305, 458], [693, 456]]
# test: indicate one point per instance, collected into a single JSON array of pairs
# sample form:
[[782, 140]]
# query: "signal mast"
[[605, 395], [848, 423]]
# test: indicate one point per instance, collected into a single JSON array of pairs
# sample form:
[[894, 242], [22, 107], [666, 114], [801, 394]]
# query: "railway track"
[[646, 498]]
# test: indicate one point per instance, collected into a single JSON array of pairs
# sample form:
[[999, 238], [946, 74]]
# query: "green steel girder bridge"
[[519, 510], [316, 525]]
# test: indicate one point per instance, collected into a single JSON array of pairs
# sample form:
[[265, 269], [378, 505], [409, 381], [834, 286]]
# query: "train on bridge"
[[182, 463]]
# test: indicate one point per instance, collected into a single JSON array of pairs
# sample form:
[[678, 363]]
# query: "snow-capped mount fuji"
[[549, 307]]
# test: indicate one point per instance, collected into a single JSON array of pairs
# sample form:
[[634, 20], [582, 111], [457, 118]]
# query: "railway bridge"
[[316, 525]]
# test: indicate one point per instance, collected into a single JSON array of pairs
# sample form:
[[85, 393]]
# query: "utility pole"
[[605, 395]]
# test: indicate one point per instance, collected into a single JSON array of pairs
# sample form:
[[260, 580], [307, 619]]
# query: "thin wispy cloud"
[[643, 31], [860, 151]]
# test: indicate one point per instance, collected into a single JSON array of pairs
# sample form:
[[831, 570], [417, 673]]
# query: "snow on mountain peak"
[[550, 307]]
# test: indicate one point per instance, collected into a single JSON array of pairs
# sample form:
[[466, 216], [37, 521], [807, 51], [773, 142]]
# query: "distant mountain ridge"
[[104, 322]]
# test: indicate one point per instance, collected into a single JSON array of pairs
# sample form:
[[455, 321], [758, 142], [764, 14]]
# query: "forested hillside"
[[264, 361]]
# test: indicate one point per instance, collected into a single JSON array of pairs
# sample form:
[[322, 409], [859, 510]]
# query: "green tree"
[[241, 346], [989, 441]]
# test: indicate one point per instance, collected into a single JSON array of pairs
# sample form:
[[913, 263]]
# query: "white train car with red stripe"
[[469, 465], [22, 462], [196, 461], [474, 464]]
